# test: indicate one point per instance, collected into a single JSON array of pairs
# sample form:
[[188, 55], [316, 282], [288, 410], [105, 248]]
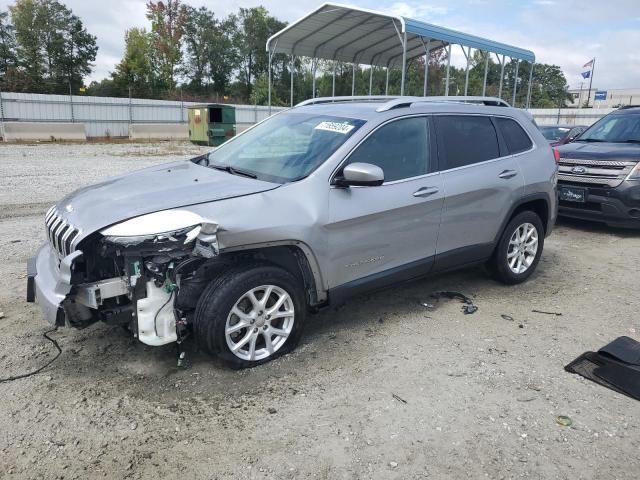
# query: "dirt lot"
[[478, 395]]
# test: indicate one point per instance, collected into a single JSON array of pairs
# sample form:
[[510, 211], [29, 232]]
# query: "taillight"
[[556, 154]]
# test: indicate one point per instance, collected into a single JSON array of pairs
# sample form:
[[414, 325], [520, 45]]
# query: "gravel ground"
[[475, 395]]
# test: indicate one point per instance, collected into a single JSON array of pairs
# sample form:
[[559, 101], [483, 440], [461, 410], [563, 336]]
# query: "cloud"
[[418, 11]]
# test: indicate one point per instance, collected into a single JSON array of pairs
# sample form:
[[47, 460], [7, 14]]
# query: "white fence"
[[107, 116], [568, 116]]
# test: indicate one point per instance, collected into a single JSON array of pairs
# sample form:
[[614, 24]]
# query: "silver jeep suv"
[[320, 202]]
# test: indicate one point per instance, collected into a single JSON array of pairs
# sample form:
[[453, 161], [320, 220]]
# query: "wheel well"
[[539, 206], [289, 257]]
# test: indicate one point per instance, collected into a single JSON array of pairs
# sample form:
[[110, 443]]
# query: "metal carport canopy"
[[355, 35]]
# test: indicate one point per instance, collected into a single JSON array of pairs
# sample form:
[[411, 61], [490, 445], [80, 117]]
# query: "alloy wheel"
[[523, 247], [260, 322]]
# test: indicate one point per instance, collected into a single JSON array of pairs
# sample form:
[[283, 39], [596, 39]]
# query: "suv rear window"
[[467, 139], [515, 137]]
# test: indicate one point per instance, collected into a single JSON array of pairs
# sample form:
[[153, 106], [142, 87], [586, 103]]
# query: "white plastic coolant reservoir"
[[156, 321]]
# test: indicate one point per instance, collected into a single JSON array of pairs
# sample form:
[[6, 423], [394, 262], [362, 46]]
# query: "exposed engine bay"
[[149, 283]]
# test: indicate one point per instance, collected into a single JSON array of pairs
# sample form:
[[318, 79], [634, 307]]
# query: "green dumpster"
[[211, 124]]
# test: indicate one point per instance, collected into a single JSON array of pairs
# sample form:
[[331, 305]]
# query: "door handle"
[[425, 191], [508, 174]]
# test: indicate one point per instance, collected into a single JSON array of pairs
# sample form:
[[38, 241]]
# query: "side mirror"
[[360, 175]]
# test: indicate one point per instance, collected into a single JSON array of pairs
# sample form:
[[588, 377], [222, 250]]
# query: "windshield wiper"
[[589, 140], [632, 140], [234, 171]]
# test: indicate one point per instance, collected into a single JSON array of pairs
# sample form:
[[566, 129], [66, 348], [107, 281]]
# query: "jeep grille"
[[594, 172], [60, 233]]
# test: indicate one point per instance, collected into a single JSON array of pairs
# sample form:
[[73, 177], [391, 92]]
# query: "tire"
[[504, 264], [282, 324]]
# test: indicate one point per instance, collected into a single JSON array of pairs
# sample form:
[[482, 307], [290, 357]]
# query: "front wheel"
[[250, 315], [519, 249]]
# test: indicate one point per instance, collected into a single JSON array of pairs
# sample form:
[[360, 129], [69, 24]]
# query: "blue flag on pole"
[[586, 74]]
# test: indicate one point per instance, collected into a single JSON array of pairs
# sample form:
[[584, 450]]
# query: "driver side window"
[[399, 148]]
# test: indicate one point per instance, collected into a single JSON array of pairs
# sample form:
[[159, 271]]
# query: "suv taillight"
[[556, 154]]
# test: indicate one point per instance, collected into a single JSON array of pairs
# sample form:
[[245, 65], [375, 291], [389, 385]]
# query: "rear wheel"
[[250, 315], [519, 249]]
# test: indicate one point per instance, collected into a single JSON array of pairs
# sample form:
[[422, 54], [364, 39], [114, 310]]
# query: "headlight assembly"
[[166, 229], [153, 224]]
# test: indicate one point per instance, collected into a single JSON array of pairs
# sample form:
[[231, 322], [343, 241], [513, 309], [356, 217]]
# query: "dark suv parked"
[[599, 176]]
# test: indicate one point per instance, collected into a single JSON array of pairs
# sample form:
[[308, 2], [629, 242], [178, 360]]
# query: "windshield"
[[554, 133], [614, 128], [286, 147]]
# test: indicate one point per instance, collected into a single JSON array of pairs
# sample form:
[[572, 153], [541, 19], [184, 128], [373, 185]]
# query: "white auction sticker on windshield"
[[336, 127]]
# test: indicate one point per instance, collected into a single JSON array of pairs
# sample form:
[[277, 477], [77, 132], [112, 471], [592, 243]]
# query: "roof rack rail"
[[391, 102], [624, 107], [401, 102], [357, 98]]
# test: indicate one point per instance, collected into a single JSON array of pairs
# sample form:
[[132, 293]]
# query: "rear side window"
[[400, 148], [467, 139], [515, 137]]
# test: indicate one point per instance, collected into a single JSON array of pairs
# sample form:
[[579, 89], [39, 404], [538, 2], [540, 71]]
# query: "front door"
[[385, 232]]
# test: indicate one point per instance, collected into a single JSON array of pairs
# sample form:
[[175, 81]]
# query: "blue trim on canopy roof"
[[434, 32]]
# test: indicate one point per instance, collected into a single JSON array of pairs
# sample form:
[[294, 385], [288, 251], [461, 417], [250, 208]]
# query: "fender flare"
[[309, 256], [522, 201]]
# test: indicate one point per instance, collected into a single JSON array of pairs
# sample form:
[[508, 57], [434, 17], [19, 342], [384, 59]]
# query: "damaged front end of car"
[[127, 274]]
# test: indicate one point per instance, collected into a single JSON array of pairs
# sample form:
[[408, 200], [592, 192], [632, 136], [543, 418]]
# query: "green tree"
[[210, 58], [136, 70], [8, 58], [253, 27], [74, 60], [27, 17], [54, 49], [167, 27]]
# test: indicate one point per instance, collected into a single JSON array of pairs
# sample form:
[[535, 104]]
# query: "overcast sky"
[[563, 32]]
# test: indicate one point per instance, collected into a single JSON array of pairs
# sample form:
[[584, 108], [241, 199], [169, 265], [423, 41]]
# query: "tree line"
[[191, 53]]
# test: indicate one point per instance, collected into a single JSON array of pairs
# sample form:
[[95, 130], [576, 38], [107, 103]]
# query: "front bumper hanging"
[[48, 284]]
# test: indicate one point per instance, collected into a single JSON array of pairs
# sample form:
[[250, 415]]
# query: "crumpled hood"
[[161, 187], [601, 151]]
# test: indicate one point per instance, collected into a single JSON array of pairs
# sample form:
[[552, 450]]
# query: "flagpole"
[[593, 66]]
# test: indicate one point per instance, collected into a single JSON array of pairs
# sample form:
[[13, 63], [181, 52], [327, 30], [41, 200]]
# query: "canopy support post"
[[269, 84], [271, 52], [530, 84], [427, 47], [370, 79], [404, 62], [501, 74], [333, 88], [291, 71], [486, 71], [466, 72], [446, 83], [515, 84], [386, 87], [314, 67], [353, 81]]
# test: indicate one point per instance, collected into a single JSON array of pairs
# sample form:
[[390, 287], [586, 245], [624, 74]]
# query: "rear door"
[[481, 183], [392, 228]]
